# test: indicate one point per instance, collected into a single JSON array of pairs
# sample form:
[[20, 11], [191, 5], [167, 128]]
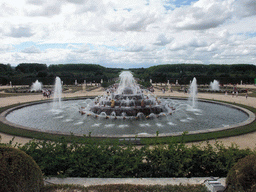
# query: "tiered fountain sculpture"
[[127, 101]]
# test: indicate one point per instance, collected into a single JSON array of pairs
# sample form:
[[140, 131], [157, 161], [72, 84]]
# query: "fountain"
[[127, 111], [193, 93], [128, 101], [215, 86], [57, 93], [36, 86]]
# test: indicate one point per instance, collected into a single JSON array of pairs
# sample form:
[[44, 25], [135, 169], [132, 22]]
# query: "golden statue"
[[112, 103]]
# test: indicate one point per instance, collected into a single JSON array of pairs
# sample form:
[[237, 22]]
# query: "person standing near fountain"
[[47, 93]]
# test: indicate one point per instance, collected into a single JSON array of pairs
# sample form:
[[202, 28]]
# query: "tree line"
[[26, 73], [204, 74]]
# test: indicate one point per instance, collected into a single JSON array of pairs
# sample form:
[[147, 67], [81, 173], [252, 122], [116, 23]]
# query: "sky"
[[128, 34]]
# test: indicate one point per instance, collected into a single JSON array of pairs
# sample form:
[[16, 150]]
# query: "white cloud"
[[6, 10], [5, 48], [81, 49], [131, 33], [32, 49], [203, 14], [134, 22], [77, 1], [36, 2], [20, 31], [246, 8], [44, 8], [135, 48], [162, 40]]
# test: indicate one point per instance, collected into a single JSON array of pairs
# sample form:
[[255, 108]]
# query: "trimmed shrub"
[[242, 176], [18, 171], [110, 159]]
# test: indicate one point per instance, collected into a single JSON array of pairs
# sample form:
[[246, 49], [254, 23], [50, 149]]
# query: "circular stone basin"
[[208, 117]]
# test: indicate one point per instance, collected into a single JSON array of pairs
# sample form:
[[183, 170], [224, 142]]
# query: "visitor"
[[46, 93], [246, 95]]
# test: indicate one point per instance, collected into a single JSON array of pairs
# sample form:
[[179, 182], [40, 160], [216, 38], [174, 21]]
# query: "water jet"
[[215, 86], [36, 86]]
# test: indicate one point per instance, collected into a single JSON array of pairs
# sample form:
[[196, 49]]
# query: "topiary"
[[18, 171], [242, 176]]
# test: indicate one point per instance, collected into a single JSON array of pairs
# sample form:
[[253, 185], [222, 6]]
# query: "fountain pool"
[[66, 119], [128, 111]]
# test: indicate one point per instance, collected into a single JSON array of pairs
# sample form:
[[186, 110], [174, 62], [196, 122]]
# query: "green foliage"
[[242, 176], [31, 67], [27, 73], [5, 68], [107, 84], [80, 72], [18, 171], [204, 73], [108, 159], [75, 67], [144, 83]]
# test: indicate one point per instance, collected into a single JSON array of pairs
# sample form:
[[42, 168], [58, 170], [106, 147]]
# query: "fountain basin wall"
[[100, 127]]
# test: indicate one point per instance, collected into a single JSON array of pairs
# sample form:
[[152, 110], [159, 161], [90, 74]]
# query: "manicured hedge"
[[242, 176], [105, 159], [18, 171]]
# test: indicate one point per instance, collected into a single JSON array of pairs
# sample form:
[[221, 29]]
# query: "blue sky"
[[135, 33], [180, 3]]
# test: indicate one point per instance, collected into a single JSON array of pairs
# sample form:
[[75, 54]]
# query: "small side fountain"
[[193, 93], [215, 86], [57, 92], [36, 86]]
